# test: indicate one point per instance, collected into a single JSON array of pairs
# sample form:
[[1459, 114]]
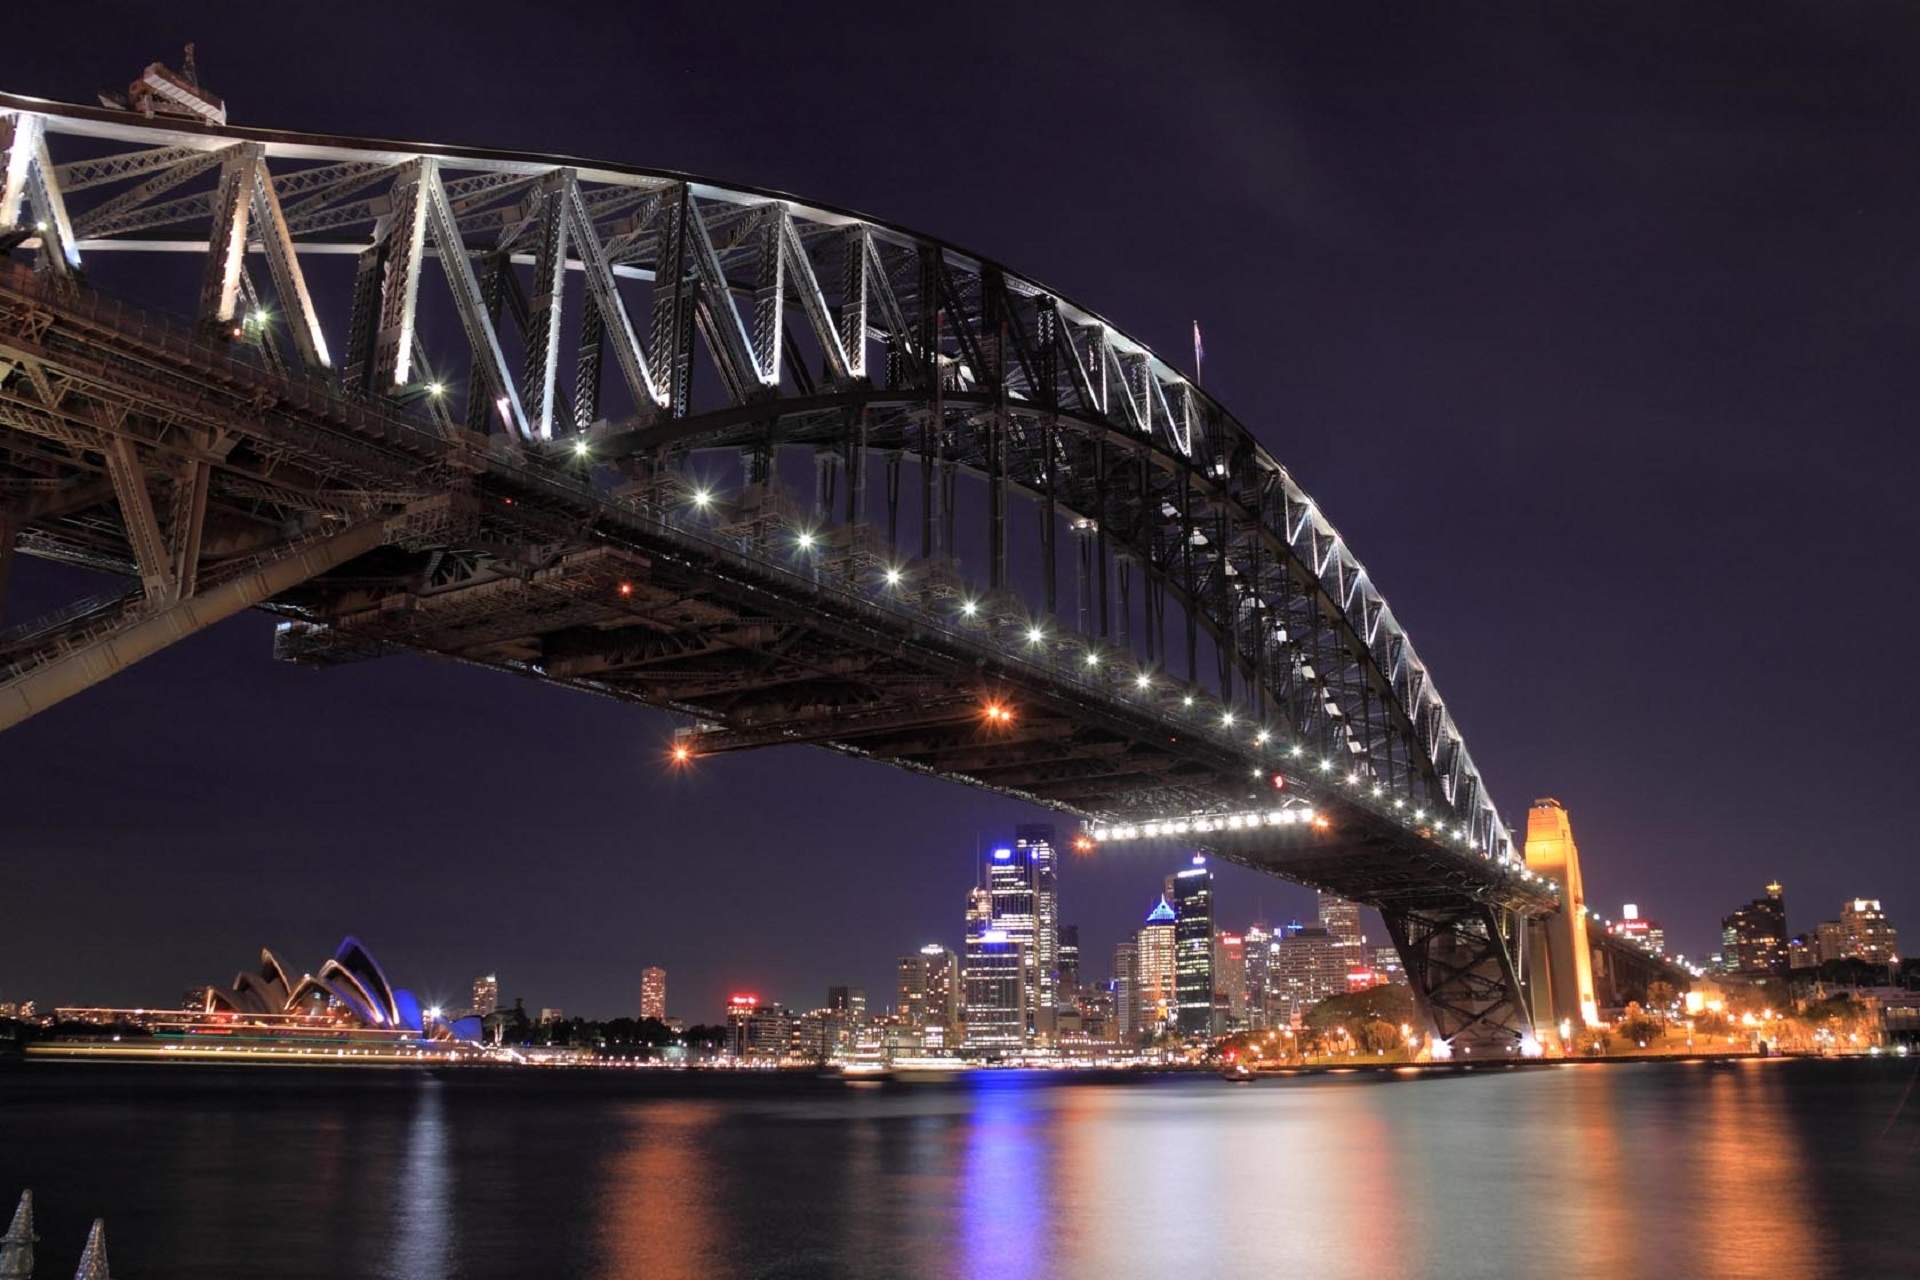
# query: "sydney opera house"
[[345, 1011], [350, 988]]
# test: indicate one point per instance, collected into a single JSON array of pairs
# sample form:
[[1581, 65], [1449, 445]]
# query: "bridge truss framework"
[[455, 470]]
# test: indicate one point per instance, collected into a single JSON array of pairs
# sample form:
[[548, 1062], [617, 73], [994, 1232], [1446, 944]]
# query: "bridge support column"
[[1550, 852], [70, 659], [1462, 961]]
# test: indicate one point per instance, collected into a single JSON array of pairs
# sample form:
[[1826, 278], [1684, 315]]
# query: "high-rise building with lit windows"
[[1258, 960], [1869, 935], [1755, 935], [653, 993], [486, 995], [1069, 963], [1153, 976], [1023, 881], [1193, 948], [994, 984], [1126, 992]]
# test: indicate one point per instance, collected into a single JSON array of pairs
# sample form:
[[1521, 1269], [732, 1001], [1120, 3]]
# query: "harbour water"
[[1761, 1169]]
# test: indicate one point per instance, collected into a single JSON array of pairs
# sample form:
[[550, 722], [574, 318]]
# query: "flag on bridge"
[[1199, 353]]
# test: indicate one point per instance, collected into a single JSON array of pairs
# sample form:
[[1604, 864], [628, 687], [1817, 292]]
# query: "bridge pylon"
[[1561, 981]]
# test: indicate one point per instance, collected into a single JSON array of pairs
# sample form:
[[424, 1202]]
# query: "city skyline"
[[558, 873]]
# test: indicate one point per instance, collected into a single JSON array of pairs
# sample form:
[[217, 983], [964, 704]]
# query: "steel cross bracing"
[[533, 515]]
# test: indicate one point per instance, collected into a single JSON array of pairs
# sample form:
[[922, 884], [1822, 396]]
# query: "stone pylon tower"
[[16, 1247], [1569, 954]]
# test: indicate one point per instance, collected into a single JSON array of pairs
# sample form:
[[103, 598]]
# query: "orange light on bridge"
[[626, 588], [998, 713], [682, 753], [1321, 824], [1083, 843]]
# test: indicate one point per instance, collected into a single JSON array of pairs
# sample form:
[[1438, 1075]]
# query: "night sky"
[[1592, 327]]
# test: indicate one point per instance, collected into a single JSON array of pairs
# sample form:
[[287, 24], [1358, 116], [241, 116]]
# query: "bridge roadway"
[[1228, 676]]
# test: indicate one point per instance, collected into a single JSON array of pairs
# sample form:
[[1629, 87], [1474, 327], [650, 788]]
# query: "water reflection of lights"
[[423, 1205], [656, 1207], [1004, 1207]]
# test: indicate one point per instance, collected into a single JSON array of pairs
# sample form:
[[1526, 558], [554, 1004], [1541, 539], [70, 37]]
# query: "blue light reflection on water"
[[1004, 1188]]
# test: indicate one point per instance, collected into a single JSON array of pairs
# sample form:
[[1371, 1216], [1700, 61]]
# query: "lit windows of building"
[[1069, 964], [1868, 934], [1230, 976], [653, 994], [767, 1032], [1640, 931], [1386, 963], [996, 993], [1125, 988], [1755, 935], [1308, 965], [910, 990], [1154, 971], [942, 1021], [486, 995], [1829, 941], [740, 1009], [1193, 949], [1258, 957]]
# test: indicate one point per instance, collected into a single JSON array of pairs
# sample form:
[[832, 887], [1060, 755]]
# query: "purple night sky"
[[1593, 327]]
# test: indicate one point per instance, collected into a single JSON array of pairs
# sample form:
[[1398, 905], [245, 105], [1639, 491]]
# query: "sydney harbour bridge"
[[793, 474]]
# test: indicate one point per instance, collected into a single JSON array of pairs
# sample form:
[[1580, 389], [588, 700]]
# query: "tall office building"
[[1869, 936], [1023, 882], [1341, 918], [995, 980], [1307, 966], [1755, 935], [1230, 975], [1153, 974], [1193, 948], [942, 967], [910, 990], [740, 1010], [850, 1003], [486, 995], [653, 993], [1259, 956], [1830, 941], [1126, 992], [1069, 963]]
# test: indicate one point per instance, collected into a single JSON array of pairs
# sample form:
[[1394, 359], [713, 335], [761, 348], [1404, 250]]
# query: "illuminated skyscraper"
[[1341, 918], [1259, 956], [1757, 934], [740, 1010], [486, 995], [653, 993], [1230, 976], [942, 1022], [1023, 880], [1069, 963], [1126, 992], [1153, 974], [1307, 966], [910, 990], [1869, 936], [1193, 948], [995, 982]]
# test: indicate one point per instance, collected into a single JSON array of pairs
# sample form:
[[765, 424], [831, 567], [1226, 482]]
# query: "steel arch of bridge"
[[747, 322]]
